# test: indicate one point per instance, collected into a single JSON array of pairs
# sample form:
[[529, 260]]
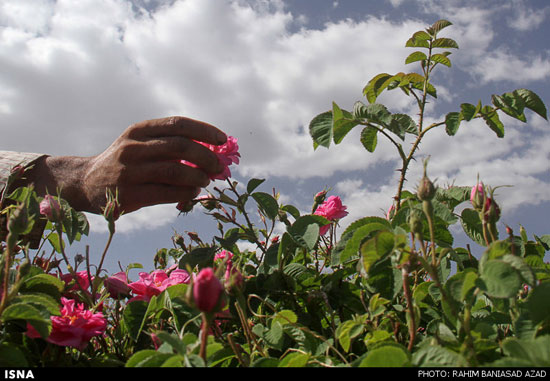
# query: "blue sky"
[[75, 74]]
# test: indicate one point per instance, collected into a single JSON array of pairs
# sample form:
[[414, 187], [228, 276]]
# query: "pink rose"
[[332, 209], [207, 290], [50, 208], [222, 256], [75, 327], [227, 153], [154, 283], [82, 279]]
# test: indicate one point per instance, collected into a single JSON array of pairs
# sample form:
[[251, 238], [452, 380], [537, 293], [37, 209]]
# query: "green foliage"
[[385, 292]]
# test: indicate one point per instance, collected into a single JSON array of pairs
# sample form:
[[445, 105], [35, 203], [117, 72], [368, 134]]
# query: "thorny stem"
[[410, 308]]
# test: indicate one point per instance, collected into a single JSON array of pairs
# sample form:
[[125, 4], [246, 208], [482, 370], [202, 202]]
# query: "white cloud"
[[524, 18], [501, 65]]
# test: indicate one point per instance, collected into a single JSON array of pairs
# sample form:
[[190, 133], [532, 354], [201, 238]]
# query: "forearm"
[[60, 174]]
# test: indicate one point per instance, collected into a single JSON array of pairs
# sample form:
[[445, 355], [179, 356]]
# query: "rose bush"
[[272, 288]]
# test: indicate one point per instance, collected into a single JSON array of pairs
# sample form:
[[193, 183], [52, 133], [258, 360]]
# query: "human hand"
[[143, 164]]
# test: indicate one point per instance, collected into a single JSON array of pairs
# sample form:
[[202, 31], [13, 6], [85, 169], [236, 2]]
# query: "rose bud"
[[207, 291], [477, 195], [50, 208], [117, 285]]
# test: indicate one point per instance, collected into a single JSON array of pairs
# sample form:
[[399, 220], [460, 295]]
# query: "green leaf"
[[511, 104], [34, 316], [294, 360], [416, 56], [346, 332], [134, 317], [419, 40], [199, 256], [342, 123], [438, 26], [405, 123], [373, 113], [490, 116], [148, 358], [376, 85], [253, 184], [353, 243], [442, 59], [537, 303], [472, 225], [369, 138], [501, 280], [445, 43], [468, 111], [452, 122], [533, 102], [377, 248], [320, 129], [44, 283], [387, 355], [39, 300], [284, 317], [11, 356], [267, 204], [275, 336], [305, 230]]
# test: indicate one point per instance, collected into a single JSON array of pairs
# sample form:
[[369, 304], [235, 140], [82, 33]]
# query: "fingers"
[[167, 173], [178, 126], [177, 148], [154, 194]]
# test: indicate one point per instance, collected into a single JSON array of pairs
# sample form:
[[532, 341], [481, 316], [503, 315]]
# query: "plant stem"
[[410, 308], [204, 336]]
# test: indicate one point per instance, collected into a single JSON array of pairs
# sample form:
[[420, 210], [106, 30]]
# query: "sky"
[[75, 74]]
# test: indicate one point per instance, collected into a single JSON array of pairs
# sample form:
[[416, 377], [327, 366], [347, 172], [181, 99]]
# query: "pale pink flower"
[[332, 209], [154, 283], [75, 327]]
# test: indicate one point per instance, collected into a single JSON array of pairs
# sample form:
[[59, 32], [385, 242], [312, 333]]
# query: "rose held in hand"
[[207, 290], [332, 209], [227, 153]]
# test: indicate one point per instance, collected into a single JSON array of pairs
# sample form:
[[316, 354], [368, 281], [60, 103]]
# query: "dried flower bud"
[[426, 189]]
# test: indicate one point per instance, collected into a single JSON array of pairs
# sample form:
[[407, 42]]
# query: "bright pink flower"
[[154, 283], [227, 153], [81, 277], [50, 208], [222, 256], [207, 290], [75, 327], [332, 209], [117, 285]]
